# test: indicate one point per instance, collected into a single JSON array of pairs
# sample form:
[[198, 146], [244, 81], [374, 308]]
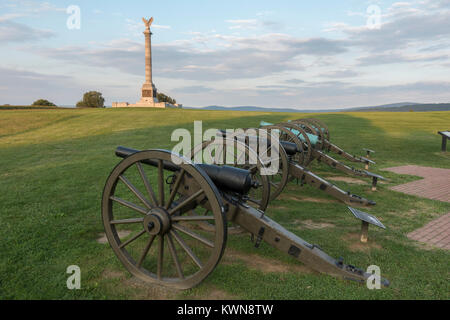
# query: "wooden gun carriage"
[[161, 197]]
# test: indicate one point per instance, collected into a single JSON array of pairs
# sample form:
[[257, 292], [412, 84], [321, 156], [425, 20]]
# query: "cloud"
[[322, 95], [193, 90], [238, 57], [243, 24], [24, 87], [339, 74], [17, 32], [393, 57], [401, 28], [254, 24], [437, 4], [29, 7], [294, 81]]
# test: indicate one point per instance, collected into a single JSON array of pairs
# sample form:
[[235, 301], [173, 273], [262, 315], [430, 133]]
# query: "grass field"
[[54, 163]]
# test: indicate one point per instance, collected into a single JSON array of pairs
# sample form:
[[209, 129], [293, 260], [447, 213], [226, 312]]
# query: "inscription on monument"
[[148, 94]]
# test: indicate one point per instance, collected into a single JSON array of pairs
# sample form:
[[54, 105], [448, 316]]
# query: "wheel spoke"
[[123, 245], [160, 257], [175, 189], [186, 202], [193, 235], [258, 202], [161, 182], [193, 218], [127, 221], [241, 158], [186, 248], [274, 184], [136, 192], [147, 185], [146, 250], [129, 205], [173, 252]]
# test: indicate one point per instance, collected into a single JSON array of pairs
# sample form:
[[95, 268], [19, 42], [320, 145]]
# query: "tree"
[[43, 102], [92, 99], [163, 98]]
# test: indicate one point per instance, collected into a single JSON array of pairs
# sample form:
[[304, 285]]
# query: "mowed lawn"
[[54, 163]]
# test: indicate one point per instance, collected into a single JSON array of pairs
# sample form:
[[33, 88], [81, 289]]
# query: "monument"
[[149, 93]]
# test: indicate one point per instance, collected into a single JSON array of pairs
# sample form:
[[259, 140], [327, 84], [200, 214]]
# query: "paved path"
[[435, 185], [437, 233]]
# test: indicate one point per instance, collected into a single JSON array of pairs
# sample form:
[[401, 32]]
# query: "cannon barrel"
[[290, 147], [224, 177]]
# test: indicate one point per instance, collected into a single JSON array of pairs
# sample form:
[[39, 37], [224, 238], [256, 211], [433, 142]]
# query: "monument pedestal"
[[148, 91]]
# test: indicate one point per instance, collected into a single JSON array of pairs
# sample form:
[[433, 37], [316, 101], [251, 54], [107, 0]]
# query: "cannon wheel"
[[307, 146], [158, 222], [321, 124], [288, 136], [259, 197], [311, 128], [279, 180]]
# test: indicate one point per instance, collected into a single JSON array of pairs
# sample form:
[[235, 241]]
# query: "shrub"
[[163, 98], [92, 99], [43, 102]]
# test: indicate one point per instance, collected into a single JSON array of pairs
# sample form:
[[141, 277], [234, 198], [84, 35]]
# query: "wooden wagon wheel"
[[219, 152], [322, 125], [311, 129], [301, 134], [160, 245], [278, 180], [232, 152]]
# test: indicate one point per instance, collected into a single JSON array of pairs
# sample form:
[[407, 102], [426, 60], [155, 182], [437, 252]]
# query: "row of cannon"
[[167, 217]]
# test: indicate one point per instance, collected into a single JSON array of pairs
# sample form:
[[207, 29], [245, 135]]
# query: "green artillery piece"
[[320, 129], [289, 168], [160, 197], [312, 145]]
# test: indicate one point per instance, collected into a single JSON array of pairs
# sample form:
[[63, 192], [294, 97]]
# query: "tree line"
[[94, 99]]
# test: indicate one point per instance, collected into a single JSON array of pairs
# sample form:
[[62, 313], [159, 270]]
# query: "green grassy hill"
[[54, 163]]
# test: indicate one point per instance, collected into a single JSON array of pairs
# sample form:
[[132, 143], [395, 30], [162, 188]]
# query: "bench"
[[445, 136]]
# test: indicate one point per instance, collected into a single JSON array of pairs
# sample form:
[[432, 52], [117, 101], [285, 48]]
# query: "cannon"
[[159, 197], [319, 128], [290, 167], [312, 147]]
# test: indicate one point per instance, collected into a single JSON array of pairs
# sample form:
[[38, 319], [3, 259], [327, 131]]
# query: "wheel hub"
[[157, 222]]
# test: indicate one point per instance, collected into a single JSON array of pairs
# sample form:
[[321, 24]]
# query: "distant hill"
[[406, 108], [250, 108], [393, 107]]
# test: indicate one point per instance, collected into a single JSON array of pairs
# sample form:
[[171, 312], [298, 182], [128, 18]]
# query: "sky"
[[278, 54]]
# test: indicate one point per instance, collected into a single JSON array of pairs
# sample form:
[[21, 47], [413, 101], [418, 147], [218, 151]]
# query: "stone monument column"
[[149, 93], [148, 89]]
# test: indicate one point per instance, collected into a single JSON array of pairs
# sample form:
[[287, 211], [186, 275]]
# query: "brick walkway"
[[435, 185], [436, 233]]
